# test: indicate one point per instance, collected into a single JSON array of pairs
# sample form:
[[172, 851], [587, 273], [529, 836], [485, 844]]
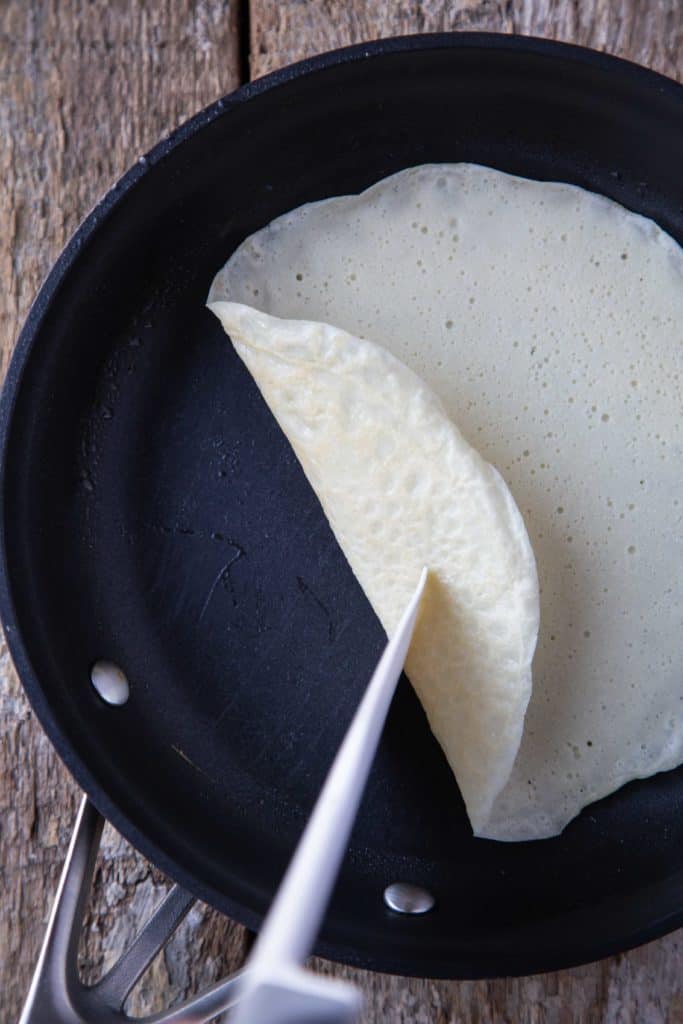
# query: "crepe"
[[548, 321], [401, 489]]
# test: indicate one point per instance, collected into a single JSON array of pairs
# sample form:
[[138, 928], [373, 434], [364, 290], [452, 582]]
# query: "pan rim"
[[29, 337]]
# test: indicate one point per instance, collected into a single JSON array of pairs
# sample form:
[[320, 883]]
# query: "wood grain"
[[86, 87], [647, 31]]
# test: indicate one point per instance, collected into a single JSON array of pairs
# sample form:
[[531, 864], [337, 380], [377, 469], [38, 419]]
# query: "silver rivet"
[[110, 682], [405, 898]]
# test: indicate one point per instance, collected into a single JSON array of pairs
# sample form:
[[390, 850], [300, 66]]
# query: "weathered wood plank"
[[648, 32], [645, 985], [85, 88]]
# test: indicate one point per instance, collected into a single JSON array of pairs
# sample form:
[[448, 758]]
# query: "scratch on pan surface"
[[307, 590], [224, 578], [181, 753]]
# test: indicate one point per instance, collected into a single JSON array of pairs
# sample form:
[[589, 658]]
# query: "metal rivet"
[[110, 682], [405, 898]]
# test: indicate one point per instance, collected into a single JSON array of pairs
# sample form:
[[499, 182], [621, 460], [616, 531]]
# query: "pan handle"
[[57, 994]]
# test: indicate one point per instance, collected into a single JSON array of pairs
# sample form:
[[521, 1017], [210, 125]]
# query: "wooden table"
[[86, 87]]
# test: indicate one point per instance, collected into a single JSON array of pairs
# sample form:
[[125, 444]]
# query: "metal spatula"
[[274, 988]]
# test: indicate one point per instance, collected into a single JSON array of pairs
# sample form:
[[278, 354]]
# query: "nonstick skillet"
[[154, 515]]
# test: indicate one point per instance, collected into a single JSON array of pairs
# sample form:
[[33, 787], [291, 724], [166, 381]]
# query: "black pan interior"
[[153, 514]]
